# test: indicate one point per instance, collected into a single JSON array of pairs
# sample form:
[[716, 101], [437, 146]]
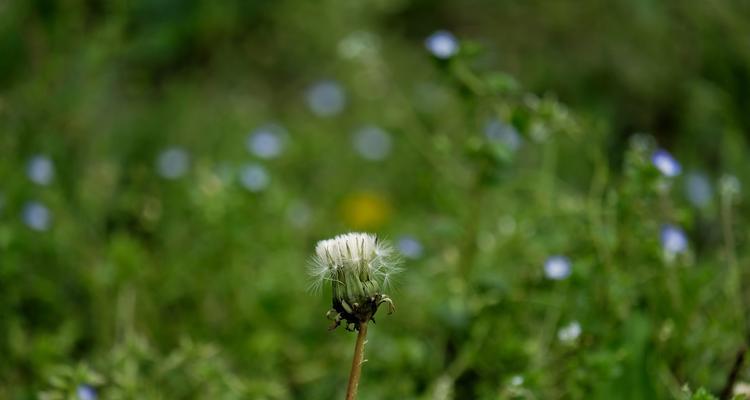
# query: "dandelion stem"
[[359, 351]]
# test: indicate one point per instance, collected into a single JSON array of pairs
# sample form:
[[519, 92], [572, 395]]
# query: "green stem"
[[356, 372]]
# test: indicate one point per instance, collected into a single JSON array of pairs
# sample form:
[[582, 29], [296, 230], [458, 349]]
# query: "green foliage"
[[172, 265]]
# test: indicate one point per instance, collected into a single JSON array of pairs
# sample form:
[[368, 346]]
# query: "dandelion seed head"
[[40, 170], [442, 44], [360, 254], [557, 267], [665, 163]]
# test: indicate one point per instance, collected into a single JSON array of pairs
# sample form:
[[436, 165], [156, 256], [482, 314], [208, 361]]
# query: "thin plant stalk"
[[356, 372]]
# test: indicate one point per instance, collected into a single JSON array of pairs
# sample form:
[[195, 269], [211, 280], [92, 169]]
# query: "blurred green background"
[[166, 168]]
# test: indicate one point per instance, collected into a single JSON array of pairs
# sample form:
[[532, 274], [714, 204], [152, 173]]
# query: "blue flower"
[[506, 134], [173, 163], [326, 98], [266, 141], [557, 267], [40, 170], [442, 44], [673, 239], [409, 246], [254, 177], [372, 143], [665, 163], [698, 189], [85, 392], [36, 216]]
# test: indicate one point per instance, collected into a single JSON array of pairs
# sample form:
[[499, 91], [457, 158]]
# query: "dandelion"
[[557, 267], [516, 380], [665, 163], [326, 98], [85, 392], [359, 267], [173, 163], [372, 143], [442, 44], [569, 333], [36, 216], [673, 240], [40, 170]]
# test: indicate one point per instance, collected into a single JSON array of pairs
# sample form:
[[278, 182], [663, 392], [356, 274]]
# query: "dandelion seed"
[[665, 163], [36, 216], [254, 177], [557, 267], [442, 44], [673, 240], [501, 132], [372, 143], [86, 392], [172, 163], [698, 189], [570, 332], [40, 170], [516, 380], [266, 141], [326, 98], [409, 246]]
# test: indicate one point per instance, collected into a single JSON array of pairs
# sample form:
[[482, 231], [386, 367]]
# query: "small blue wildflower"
[[40, 170], [326, 98], [36, 216], [409, 246], [557, 267], [254, 177], [442, 44], [665, 163], [698, 189], [372, 143], [266, 141], [499, 131], [673, 239], [86, 392], [173, 163]]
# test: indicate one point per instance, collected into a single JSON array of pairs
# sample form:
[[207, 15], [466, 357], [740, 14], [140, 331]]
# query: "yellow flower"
[[365, 210]]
